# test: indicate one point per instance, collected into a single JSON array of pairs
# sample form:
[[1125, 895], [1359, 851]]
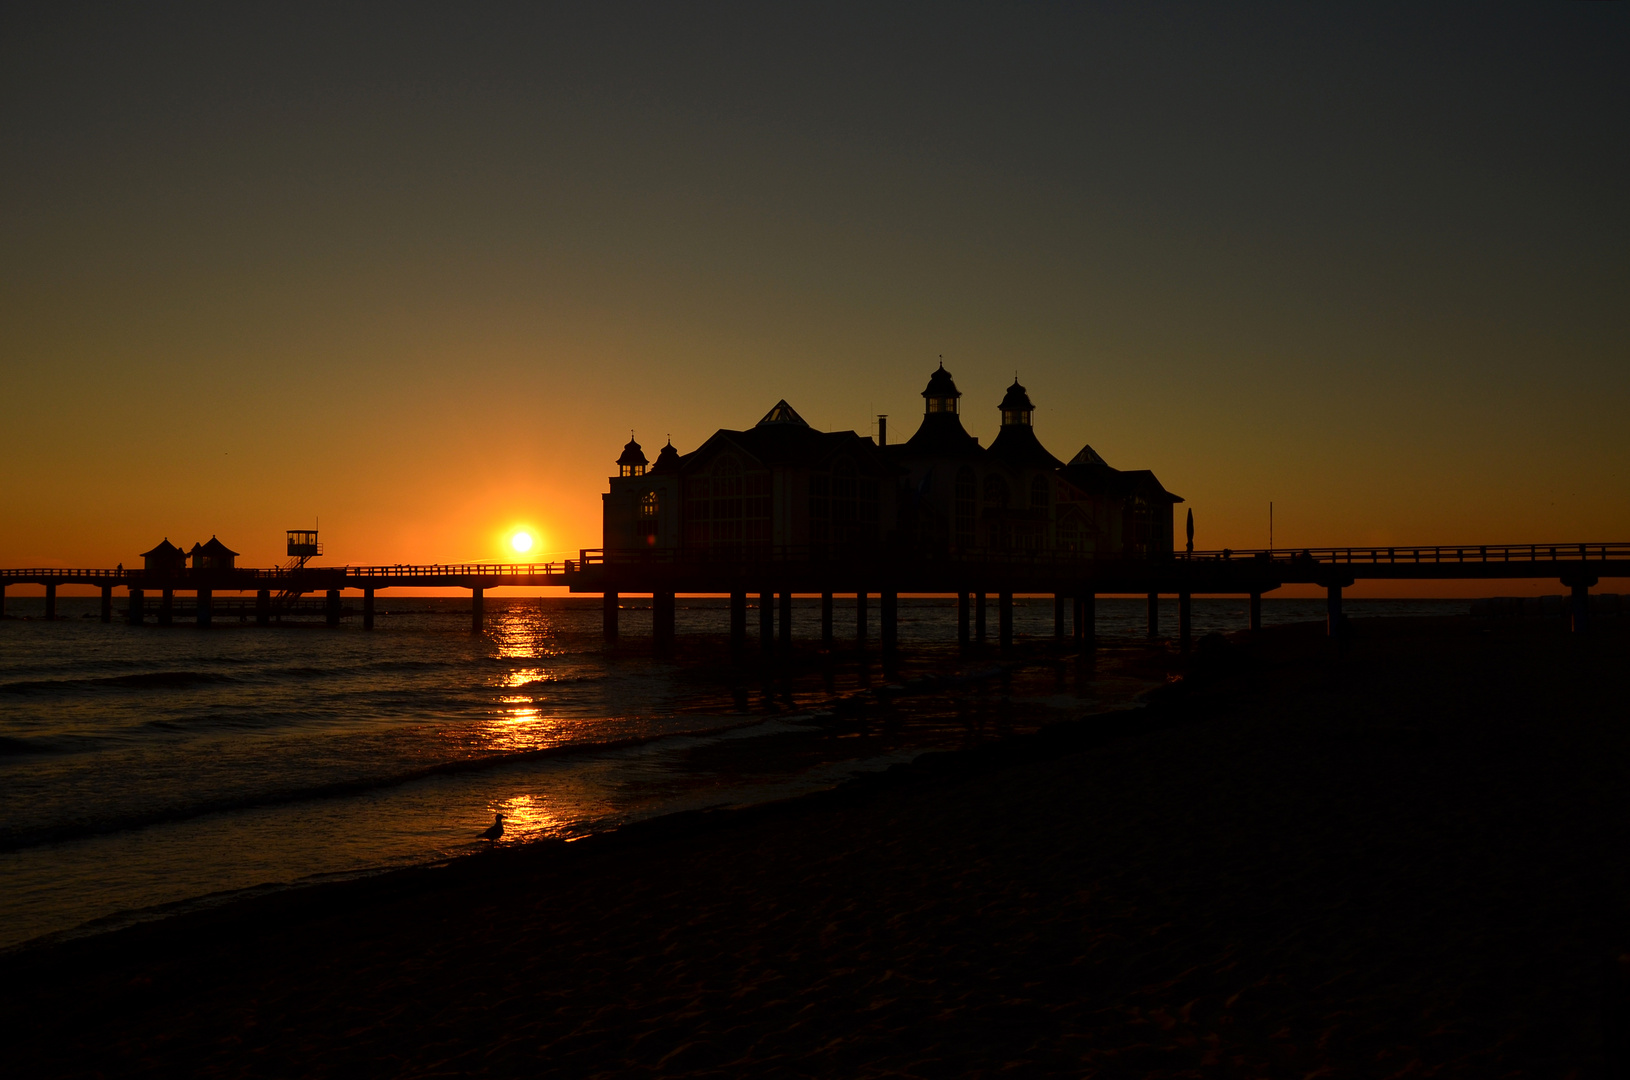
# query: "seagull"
[[495, 830]]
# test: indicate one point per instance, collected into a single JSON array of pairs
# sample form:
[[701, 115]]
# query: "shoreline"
[[919, 680], [510, 917]]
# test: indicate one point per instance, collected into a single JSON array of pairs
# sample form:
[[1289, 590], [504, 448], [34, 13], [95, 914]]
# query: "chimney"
[[882, 429]]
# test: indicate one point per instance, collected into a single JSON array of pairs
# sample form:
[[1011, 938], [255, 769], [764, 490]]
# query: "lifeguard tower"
[[303, 545]]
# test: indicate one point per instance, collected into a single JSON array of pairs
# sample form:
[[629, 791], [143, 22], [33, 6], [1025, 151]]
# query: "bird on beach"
[[495, 830]]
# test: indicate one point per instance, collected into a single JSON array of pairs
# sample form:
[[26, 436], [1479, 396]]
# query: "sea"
[[146, 771]]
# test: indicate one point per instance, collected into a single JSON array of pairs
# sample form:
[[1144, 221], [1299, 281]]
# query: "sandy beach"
[[1405, 861]]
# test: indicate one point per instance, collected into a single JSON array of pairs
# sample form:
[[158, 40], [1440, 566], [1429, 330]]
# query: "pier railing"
[[1435, 554]]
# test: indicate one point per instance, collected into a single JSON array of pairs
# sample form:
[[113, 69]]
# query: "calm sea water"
[[144, 770]]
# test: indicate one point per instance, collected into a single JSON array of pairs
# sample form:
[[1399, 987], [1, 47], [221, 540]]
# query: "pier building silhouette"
[[780, 508]]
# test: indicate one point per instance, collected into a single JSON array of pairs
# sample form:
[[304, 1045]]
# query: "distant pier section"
[[974, 578]]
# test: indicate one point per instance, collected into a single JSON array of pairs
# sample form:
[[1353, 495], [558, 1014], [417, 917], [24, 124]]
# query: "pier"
[[769, 577]]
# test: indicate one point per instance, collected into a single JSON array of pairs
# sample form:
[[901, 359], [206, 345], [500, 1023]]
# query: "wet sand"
[[1408, 861]]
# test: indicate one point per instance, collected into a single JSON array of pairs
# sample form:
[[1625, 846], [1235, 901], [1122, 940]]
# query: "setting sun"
[[521, 542]]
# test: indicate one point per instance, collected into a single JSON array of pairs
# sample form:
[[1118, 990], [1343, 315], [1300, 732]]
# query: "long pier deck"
[[770, 572]]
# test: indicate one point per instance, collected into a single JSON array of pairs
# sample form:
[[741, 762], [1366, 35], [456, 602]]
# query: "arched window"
[[996, 493], [646, 528], [1038, 492]]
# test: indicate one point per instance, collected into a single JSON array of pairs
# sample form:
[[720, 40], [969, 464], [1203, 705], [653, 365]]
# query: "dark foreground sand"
[[1409, 862]]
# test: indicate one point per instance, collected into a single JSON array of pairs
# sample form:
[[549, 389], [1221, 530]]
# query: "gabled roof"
[[1096, 478], [1087, 456], [163, 549], [214, 547], [790, 444]]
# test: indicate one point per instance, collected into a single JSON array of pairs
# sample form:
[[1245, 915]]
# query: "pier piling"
[[860, 620], [1154, 616], [367, 609], [50, 601], [1579, 603], [662, 622], [166, 607], [786, 620], [979, 618], [1086, 620], [1185, 621], [263, 607], [1256, 612], [766, 622], [738, 621], [2, 601], [133, 607], [890, 603], [962, 619], [608, 616], [107, 603], [206, 607], [478, 608], [1004, 620], [1058, 617], [331, 609], [826, 620]]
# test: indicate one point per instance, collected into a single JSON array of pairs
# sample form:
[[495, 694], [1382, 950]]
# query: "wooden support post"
[[2, 601], [107, 603], [1154, 616], [1058, 616], [1089, 620], [1332, 610], [826, 620], [738, 621], [979, 618], [609, 602], [786, 620], [766, 622], [962, 619], [367, 609], [166, 607], [263, 607], [331, 609], [1004, 619], [1185, 621], [1256, 612], [133, 607], [662, 623], [478, 609], [891, 620], [50, 600], [860, 620], [206, 607], [1579, 603]]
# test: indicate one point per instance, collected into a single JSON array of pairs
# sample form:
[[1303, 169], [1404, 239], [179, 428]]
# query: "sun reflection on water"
[[527, 817]]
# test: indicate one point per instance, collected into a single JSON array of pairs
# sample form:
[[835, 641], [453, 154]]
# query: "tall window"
[[996, 494], [1038, 493], [820, 508], [966, 509], [646, 527], [727, 507]]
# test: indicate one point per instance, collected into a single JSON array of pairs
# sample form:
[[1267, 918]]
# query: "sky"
[[416, 271]]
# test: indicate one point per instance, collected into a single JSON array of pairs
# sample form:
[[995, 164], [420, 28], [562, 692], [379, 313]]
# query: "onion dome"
[[667, 459], [941, 394], [632, 463], [1016, 406]]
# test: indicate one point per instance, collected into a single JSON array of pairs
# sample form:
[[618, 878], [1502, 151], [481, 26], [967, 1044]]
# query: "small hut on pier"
[[213, 556], [165, 560]]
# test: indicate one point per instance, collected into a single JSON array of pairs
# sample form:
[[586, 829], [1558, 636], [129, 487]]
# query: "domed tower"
[[667, 459], [941, 432], [632, 463], [941, 394], [1016, 444]]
